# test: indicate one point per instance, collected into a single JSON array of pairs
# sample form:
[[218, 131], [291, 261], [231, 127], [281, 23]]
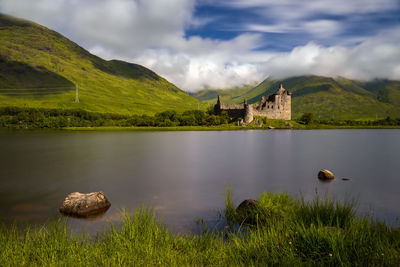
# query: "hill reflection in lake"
[[183, 175]]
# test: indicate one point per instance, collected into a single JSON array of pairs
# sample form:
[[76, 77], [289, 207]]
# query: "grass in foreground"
[[285, 231]]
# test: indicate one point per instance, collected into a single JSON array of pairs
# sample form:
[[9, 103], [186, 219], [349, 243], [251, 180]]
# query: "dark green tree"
[[307, 118]]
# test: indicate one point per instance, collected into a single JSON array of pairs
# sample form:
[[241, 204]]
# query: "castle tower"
[[217, 107], [288, 105], [281, 90], [274, 106], [262, 102], [248, 117]]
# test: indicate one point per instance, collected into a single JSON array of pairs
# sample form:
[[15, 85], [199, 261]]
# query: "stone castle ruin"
[[275, 106]]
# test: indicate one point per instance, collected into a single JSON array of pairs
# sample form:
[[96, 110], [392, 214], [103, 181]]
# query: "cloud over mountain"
[[222, 44]]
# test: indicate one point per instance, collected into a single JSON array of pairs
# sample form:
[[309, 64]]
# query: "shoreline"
[[219, 128], [276, 230], [193, 128]]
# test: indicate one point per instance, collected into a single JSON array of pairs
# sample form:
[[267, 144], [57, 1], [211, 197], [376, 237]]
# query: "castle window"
[[268, 106], [272, 106], [278, 107]]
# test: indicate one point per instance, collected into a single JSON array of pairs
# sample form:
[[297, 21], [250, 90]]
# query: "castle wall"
[[273, 113], [275, 106], [234, 111]]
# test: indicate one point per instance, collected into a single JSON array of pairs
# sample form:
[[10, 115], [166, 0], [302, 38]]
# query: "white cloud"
[[122, 27], [275, 28], [154, 35], [203, 63], [226, 65], [45, 12], [296, 8], [322, 28], [377, 57], [290, 16]]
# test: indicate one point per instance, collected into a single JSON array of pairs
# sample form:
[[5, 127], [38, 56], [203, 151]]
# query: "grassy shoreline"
[[283, 231], [218, 128], [193, 128], [169, 120]]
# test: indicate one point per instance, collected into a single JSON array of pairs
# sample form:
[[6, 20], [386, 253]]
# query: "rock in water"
[[85, 205], [247, 211], [246, 205], [325, 175]]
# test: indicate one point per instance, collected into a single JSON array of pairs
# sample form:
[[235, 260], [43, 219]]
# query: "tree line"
[[308, 119], [16, 117]]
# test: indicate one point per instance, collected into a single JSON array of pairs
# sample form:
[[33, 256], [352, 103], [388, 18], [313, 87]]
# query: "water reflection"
[[183, 175]]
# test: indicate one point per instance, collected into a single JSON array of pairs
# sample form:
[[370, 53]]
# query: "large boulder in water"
[[325, 175], [85, 205]]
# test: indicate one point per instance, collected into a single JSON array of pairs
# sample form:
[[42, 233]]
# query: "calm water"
[[183, 175]]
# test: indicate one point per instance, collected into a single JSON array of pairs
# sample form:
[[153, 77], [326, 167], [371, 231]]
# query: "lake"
[[183, 175]]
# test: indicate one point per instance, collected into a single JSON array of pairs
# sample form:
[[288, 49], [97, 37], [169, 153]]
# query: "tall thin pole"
[[76, 94]]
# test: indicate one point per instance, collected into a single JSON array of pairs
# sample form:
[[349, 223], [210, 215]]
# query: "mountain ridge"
[[326, 97], [41, 68]]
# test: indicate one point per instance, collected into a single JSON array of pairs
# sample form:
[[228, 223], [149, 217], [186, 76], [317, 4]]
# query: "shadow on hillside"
[[6, 20], [125, 69], [311, 90], [300, 91], [18, 79], [271, 89]]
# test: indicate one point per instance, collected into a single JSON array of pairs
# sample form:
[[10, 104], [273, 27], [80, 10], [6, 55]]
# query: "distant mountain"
[[40, 68], [326, 97]]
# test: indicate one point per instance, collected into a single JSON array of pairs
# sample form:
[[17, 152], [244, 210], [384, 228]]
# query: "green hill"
[[40, 68], [327, 98], [233, 95]]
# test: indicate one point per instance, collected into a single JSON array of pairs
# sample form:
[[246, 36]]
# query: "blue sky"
[[227, 43], [226, 21]]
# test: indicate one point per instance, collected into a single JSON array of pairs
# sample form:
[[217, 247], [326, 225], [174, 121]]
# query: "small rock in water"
[[85, 205], [325, 175], [246, 212], [346, 179]]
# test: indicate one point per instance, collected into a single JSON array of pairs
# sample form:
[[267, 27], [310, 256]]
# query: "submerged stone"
[[85, 205], [325, 175]]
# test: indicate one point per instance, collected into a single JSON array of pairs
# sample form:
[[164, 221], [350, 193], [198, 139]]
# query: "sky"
[[200, 44]]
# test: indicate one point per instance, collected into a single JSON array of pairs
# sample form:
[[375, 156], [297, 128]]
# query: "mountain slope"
[[40, 68], [327, 98], [227, 95]]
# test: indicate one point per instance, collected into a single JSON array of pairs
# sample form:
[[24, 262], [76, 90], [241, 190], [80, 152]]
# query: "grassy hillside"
[[384, 90], [227, 95], [40, 68], [327, 98]]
